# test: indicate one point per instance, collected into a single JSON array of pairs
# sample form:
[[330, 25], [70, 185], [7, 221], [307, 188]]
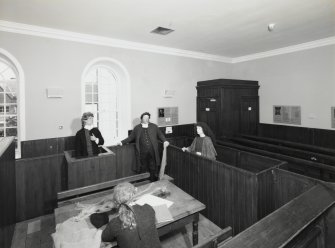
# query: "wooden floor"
[[36, 233]]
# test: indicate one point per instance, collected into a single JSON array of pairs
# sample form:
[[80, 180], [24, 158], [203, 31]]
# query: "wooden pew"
[[218, 239], [7, 190], [305, 147], [297, 165], [296, 224], [216, 184], [293, 151], [73, 195]]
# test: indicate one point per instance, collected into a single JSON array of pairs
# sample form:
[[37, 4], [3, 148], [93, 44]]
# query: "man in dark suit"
[[88, 138], [146, 137]]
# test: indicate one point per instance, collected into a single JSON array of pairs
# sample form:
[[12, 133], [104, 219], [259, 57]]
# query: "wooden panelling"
[[39, 179], [97, 169], [289, 151], [266, 197], [228, 106], [231, 194], [37, 182], [227, 155], [44, 147], [301, 146], [256, 163], [178, 131], [7, 191], [297, 224], [311, 169], [311, 136], [287, 186]]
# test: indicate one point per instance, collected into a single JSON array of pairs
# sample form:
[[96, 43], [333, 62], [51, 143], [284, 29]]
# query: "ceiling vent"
[[162, 31]]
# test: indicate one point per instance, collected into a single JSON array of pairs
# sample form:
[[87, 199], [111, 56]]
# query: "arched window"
[[105, 85], [9, 100]]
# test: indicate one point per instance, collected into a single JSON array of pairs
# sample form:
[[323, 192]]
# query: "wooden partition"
[[7, 191], [305, 135], [97, 169], [37, 182], [302, 222], [308, 168], [233, 196], [41, 178], [45, 147]]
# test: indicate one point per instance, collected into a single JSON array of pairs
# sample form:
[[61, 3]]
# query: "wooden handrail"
[[287, 222], [100, 186]]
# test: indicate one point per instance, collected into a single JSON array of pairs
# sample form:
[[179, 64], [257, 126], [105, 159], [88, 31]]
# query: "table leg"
[[195, 233]]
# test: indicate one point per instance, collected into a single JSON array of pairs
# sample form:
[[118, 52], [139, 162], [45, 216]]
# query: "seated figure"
[[133, 226], [203, 145], [88, 138]]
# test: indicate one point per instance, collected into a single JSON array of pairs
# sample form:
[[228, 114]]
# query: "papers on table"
[[162, 213], [159, 205], [153, 201]]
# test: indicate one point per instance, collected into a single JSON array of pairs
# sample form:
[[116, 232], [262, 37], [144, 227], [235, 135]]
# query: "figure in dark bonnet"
[[88, 138], [203, 144], [146, 136]]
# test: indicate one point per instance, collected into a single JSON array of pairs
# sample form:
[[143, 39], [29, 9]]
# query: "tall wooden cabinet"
[[228, 106]]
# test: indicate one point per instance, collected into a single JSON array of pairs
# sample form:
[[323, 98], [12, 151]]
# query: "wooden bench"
[[218, 239], [70, 196], [283, 148], [304, 167], [280, 142]]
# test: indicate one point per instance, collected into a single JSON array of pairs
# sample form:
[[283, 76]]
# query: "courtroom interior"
[[168, 124]]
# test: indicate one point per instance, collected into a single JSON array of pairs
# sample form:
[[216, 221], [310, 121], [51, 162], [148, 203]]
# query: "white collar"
[[88, 127], [145, 125]]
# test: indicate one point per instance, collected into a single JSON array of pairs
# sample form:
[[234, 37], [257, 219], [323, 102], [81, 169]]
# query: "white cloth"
[[88, 127], [145, 125], [73, 234]]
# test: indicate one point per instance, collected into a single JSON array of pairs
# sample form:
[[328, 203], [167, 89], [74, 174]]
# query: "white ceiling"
[[230, 28]]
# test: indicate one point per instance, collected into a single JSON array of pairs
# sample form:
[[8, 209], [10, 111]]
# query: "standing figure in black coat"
[[146, 137], [88, 138]]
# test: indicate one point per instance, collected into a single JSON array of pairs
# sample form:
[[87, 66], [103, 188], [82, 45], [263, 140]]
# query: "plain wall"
[[305, 78], [51, 63]]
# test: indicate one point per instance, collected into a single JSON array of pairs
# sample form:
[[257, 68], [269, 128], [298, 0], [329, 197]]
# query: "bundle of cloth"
[[78, 232], [75, 234]]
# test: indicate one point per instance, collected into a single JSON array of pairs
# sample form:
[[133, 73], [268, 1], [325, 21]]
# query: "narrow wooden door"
[[207, 112], [249, 115]]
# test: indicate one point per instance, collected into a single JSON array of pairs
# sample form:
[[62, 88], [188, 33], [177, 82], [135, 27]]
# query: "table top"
[[183, 204]]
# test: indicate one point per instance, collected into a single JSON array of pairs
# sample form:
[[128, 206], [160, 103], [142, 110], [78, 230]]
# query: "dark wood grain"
[[37, 182], [308, 168], [92, 170], [224, 105], [48, 146], [231, 194], [7, 191], [304, 135], [288, 222], [285, 150]]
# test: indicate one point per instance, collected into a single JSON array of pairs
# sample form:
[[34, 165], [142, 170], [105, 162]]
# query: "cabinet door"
[[207, 111], [249, 116]]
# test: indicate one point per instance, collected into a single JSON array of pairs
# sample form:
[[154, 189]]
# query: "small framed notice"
[[333, 116], [167, 116], [287, 114]]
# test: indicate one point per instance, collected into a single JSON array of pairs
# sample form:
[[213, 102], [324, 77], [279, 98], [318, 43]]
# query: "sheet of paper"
[[153, 201], [163, 214]]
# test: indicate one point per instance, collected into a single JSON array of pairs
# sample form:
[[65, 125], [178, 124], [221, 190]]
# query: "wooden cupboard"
[[228, 106]]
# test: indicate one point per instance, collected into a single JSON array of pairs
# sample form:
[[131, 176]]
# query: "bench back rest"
[[100, 187]]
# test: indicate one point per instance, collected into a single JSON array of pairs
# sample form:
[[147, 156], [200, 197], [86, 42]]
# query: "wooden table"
[[184, 210]]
